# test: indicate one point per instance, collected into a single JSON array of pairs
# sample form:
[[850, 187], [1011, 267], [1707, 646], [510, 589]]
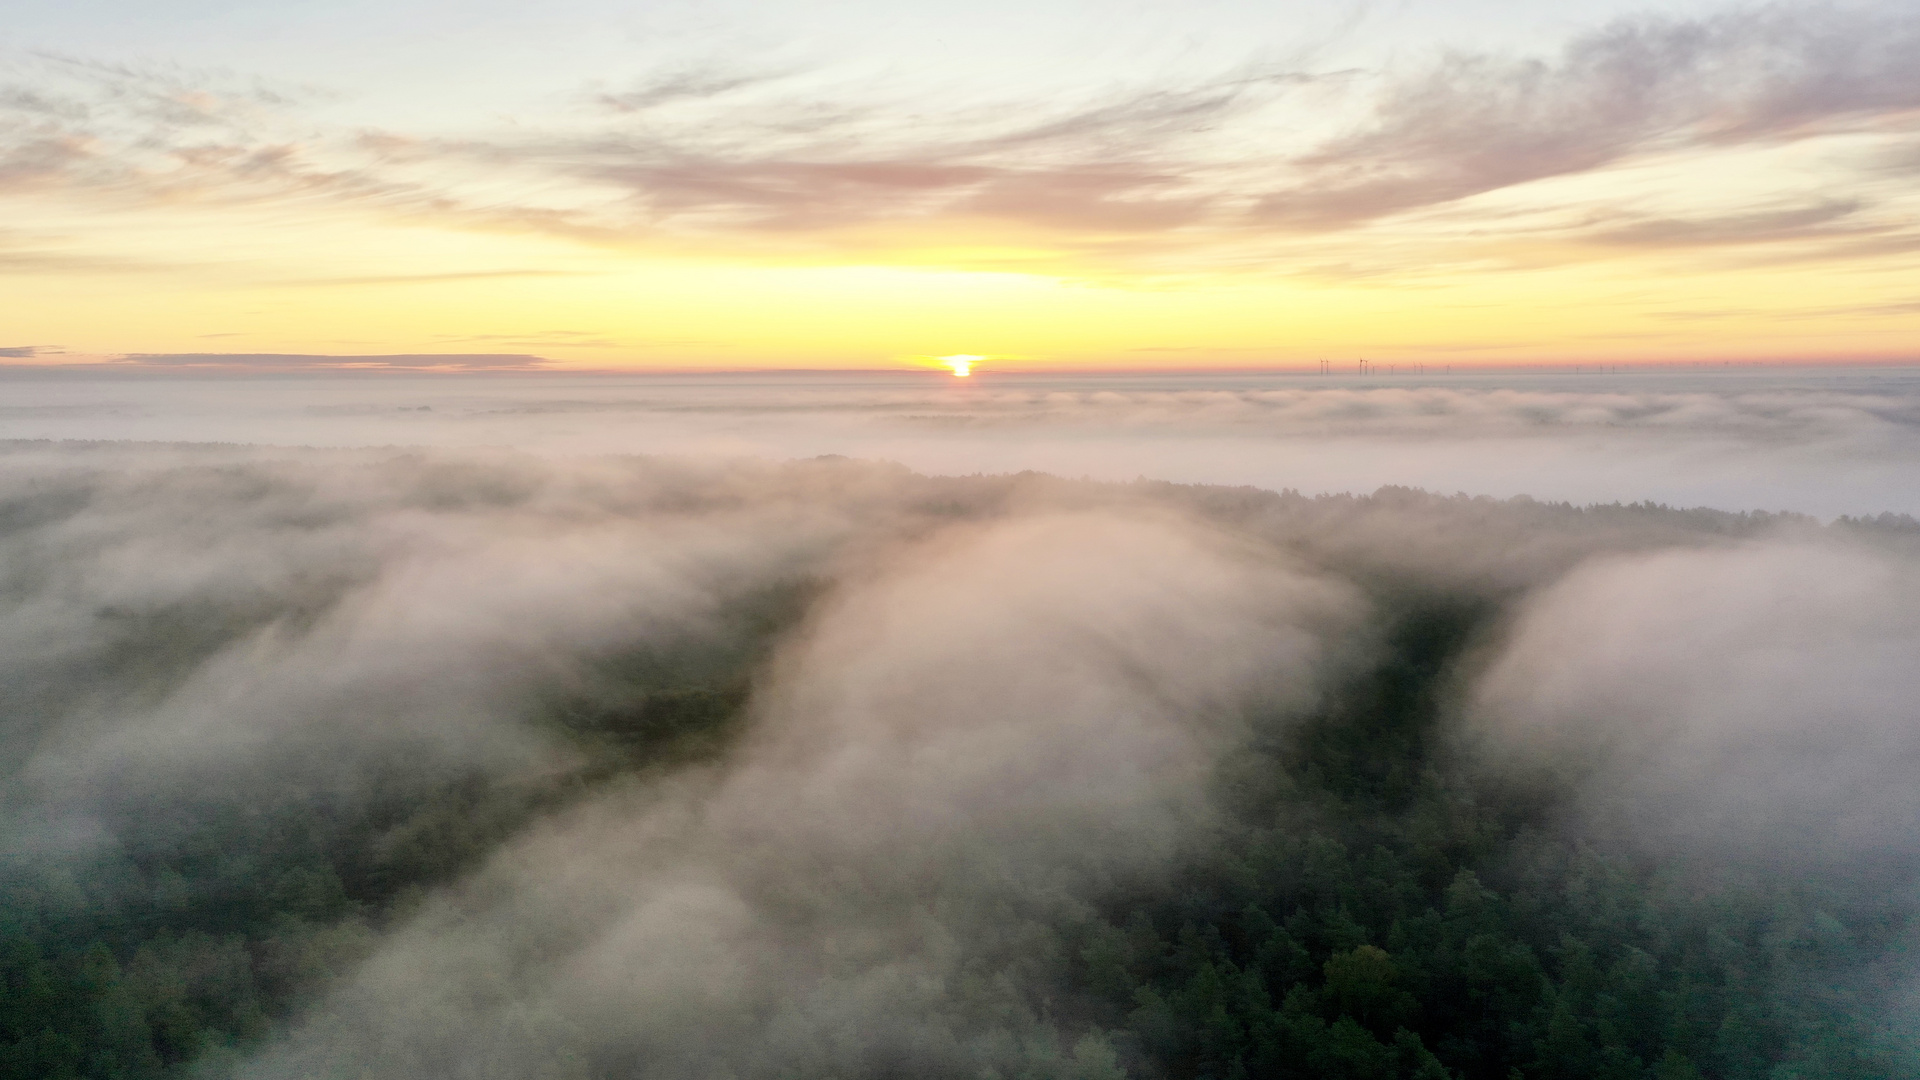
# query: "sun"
[[961, 363]]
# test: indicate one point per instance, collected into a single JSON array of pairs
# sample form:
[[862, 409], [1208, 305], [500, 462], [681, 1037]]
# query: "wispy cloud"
[[141, 136], [1477, 122], [745, 156], [690, 84], [1824, 219]]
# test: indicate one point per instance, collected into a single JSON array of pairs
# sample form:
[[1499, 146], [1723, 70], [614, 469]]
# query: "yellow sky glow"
[[243, 231]]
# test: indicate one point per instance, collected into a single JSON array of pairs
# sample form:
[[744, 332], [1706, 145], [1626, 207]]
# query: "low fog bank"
[[957, 749], [1761, 696], [398, 763], [1825, 442]]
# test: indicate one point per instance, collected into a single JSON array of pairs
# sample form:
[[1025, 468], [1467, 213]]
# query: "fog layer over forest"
[[1824, 441], [463, 762]]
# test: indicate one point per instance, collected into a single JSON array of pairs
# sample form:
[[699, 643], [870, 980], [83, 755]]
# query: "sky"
[[1051, 185]]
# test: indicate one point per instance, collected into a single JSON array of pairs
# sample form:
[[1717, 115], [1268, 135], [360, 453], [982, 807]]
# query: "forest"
[[386, 763]]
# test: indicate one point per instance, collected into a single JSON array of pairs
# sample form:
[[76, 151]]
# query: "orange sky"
[[1740, 184]]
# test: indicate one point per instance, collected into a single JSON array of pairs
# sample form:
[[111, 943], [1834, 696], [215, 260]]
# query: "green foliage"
[[1379, 909], [208, 919], [1368, 906]]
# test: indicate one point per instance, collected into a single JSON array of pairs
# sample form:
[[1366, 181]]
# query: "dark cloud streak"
[[319, 362], [1826, 219]]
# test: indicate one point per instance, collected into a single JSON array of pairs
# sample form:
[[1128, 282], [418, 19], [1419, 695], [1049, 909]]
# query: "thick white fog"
[[929, 774], [1815, 441], [956, 714], [1763, 695]]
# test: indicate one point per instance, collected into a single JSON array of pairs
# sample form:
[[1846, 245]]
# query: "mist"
[[645, 741], [1817, 441]]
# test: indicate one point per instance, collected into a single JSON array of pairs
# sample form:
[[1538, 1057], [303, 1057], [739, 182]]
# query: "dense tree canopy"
[[1370, 899]]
